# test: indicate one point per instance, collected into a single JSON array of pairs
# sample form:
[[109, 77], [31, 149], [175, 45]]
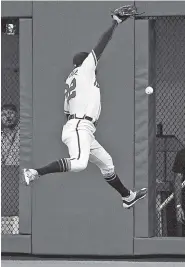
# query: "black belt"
[[73, 116]]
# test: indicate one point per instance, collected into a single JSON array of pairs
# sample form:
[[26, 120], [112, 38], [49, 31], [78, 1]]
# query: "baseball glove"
[[124, 12]]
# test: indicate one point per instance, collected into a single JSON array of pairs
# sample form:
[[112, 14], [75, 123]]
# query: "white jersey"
[[82, 94]]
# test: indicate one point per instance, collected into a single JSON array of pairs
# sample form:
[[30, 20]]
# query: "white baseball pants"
[[78, 135]]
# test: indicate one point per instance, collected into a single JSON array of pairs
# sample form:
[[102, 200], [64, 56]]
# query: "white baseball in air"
[[149, 90]]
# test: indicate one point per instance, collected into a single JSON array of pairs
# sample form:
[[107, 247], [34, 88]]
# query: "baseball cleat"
[[29, 175], [128, 202]]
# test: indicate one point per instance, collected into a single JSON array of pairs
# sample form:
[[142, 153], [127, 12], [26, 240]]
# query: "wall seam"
[[32, 139], [134, 140]]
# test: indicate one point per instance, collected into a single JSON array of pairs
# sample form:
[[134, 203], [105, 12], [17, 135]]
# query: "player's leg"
[[100, 157], [78, 143]]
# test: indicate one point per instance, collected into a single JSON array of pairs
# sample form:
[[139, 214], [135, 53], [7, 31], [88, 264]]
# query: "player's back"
[[81, 95]]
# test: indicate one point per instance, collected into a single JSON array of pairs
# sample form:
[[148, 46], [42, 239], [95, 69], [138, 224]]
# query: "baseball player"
[[82, 107]]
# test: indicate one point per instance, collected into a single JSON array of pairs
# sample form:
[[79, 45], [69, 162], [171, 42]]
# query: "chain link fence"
[[10, 142], [170, 121]]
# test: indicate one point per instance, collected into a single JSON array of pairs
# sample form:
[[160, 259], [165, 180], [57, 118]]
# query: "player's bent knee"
[[78, 166], [82, 166]]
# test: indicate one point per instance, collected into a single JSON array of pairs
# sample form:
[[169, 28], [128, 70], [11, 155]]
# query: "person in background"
[[9, 135], [179, 170], [10, 146]]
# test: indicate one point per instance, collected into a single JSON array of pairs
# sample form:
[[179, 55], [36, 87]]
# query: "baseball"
[[149, 90]]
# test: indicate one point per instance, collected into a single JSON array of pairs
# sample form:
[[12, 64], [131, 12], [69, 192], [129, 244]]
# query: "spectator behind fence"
[[9, 135], [10, 146], [179, 170]]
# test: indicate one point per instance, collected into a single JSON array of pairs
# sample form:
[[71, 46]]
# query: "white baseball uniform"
[[82, 97]]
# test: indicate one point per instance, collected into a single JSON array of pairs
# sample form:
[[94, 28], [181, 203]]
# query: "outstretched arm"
[[104, 40], [106, 37], [90, 63]]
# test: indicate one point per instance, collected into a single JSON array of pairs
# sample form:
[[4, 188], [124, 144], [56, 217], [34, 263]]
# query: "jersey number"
[[70, 90]]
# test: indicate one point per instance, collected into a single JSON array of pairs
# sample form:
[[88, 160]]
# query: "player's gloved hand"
[[123, 13], [180, 214]]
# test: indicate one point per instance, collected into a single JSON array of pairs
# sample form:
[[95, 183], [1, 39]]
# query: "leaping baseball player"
[[82, 106]]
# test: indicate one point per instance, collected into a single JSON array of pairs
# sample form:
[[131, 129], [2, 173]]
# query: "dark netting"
[[10, 143], [170, 121]]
